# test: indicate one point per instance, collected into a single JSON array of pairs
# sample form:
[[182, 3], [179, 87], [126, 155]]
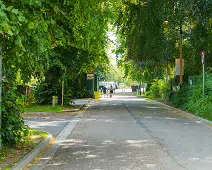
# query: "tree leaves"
[[148, 39], [31, 25]]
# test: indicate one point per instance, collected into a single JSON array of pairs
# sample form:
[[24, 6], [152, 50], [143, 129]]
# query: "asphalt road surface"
[[129, 133]]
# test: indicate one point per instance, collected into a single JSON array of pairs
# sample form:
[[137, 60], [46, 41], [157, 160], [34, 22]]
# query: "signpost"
[[178, 67], [91, 77], [203, 74]]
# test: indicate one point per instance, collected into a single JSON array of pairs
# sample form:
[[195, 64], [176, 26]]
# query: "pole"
[[181, 57], [203, 88], [140, 87], [62, 92], [93, 86], [0, 93], [203, 73]]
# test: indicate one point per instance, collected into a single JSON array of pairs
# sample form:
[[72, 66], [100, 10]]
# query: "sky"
[[112, 47]]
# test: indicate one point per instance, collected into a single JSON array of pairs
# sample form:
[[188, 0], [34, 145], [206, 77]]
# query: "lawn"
[[44, 108]]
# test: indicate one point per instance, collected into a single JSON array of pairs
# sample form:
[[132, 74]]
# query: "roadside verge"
[[32, 154], [183, 113]]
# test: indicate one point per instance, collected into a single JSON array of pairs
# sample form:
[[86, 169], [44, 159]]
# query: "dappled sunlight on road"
[[81, 150], [39, 125], [128, 132]]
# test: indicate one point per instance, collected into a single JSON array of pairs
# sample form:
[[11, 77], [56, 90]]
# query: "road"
[[129, 133]]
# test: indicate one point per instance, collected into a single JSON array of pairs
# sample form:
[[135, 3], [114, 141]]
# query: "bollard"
[[54, 101]]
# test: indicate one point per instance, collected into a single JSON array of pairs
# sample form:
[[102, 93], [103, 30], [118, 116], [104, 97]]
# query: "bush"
[[190, 98], [153, 91], [197, 103], [181, 97], [44, 92], [159, 89], [164, 89], [84, 93], [13, 128]]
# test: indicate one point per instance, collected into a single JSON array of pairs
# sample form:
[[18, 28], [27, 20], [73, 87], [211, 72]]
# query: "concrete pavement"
[[57, 125], [125, 132], [107, 137]]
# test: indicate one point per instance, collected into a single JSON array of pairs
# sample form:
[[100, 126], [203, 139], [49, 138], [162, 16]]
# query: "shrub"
[[197, 103], [83, 93], [13, 128], [164, 89], [44, 92], [190, 98], [158, 89], [153, 92], [181, 97]]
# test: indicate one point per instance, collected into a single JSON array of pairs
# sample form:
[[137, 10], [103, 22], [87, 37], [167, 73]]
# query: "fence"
[[194, 80]]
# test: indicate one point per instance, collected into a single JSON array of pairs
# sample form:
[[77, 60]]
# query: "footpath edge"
[[186, 114], [21, 164], [24, 162]]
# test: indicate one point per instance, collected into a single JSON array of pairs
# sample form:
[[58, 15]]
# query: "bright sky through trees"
[[112, 47]]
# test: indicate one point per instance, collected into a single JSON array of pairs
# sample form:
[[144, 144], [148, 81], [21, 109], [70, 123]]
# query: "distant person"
[[111, 91], [104, 90]]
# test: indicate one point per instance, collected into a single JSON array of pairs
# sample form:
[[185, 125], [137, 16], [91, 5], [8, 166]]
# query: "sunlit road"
[[129, 133]]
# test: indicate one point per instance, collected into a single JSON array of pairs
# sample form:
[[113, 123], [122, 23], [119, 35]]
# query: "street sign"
[[203, 57], [177, 65], [90, 76]]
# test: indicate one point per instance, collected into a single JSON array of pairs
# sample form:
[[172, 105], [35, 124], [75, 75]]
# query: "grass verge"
[[9, 155], [44, 108]]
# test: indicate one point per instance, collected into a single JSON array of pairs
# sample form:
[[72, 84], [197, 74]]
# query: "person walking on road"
[[104, 90], [111, 91]]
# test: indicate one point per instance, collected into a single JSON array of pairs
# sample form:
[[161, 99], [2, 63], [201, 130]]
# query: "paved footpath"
[[128, 133]]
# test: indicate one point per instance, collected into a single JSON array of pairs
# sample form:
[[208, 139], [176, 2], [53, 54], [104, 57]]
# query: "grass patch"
[[44, 108], [9, 155]]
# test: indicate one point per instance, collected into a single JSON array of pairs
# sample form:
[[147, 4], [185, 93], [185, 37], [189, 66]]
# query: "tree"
[[34, 33]]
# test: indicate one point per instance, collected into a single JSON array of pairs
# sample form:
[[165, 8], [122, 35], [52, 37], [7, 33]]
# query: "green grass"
[[32, 132], [44, 108]]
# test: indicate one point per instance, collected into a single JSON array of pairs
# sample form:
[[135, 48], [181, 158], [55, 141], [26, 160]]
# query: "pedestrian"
[[111, 91], [104, 90]]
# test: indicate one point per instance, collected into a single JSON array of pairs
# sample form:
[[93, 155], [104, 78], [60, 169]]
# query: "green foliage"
[[190, 98], [114, 74], [159, 89], [13, 129], [164, 89], [151, 43], [154, 91], [83, 93], [181, 97], [30, 32], [197, 103], [44, 92]]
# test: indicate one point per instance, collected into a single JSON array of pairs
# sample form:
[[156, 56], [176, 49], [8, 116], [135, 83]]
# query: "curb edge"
[[21, 164], [203, 121]]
